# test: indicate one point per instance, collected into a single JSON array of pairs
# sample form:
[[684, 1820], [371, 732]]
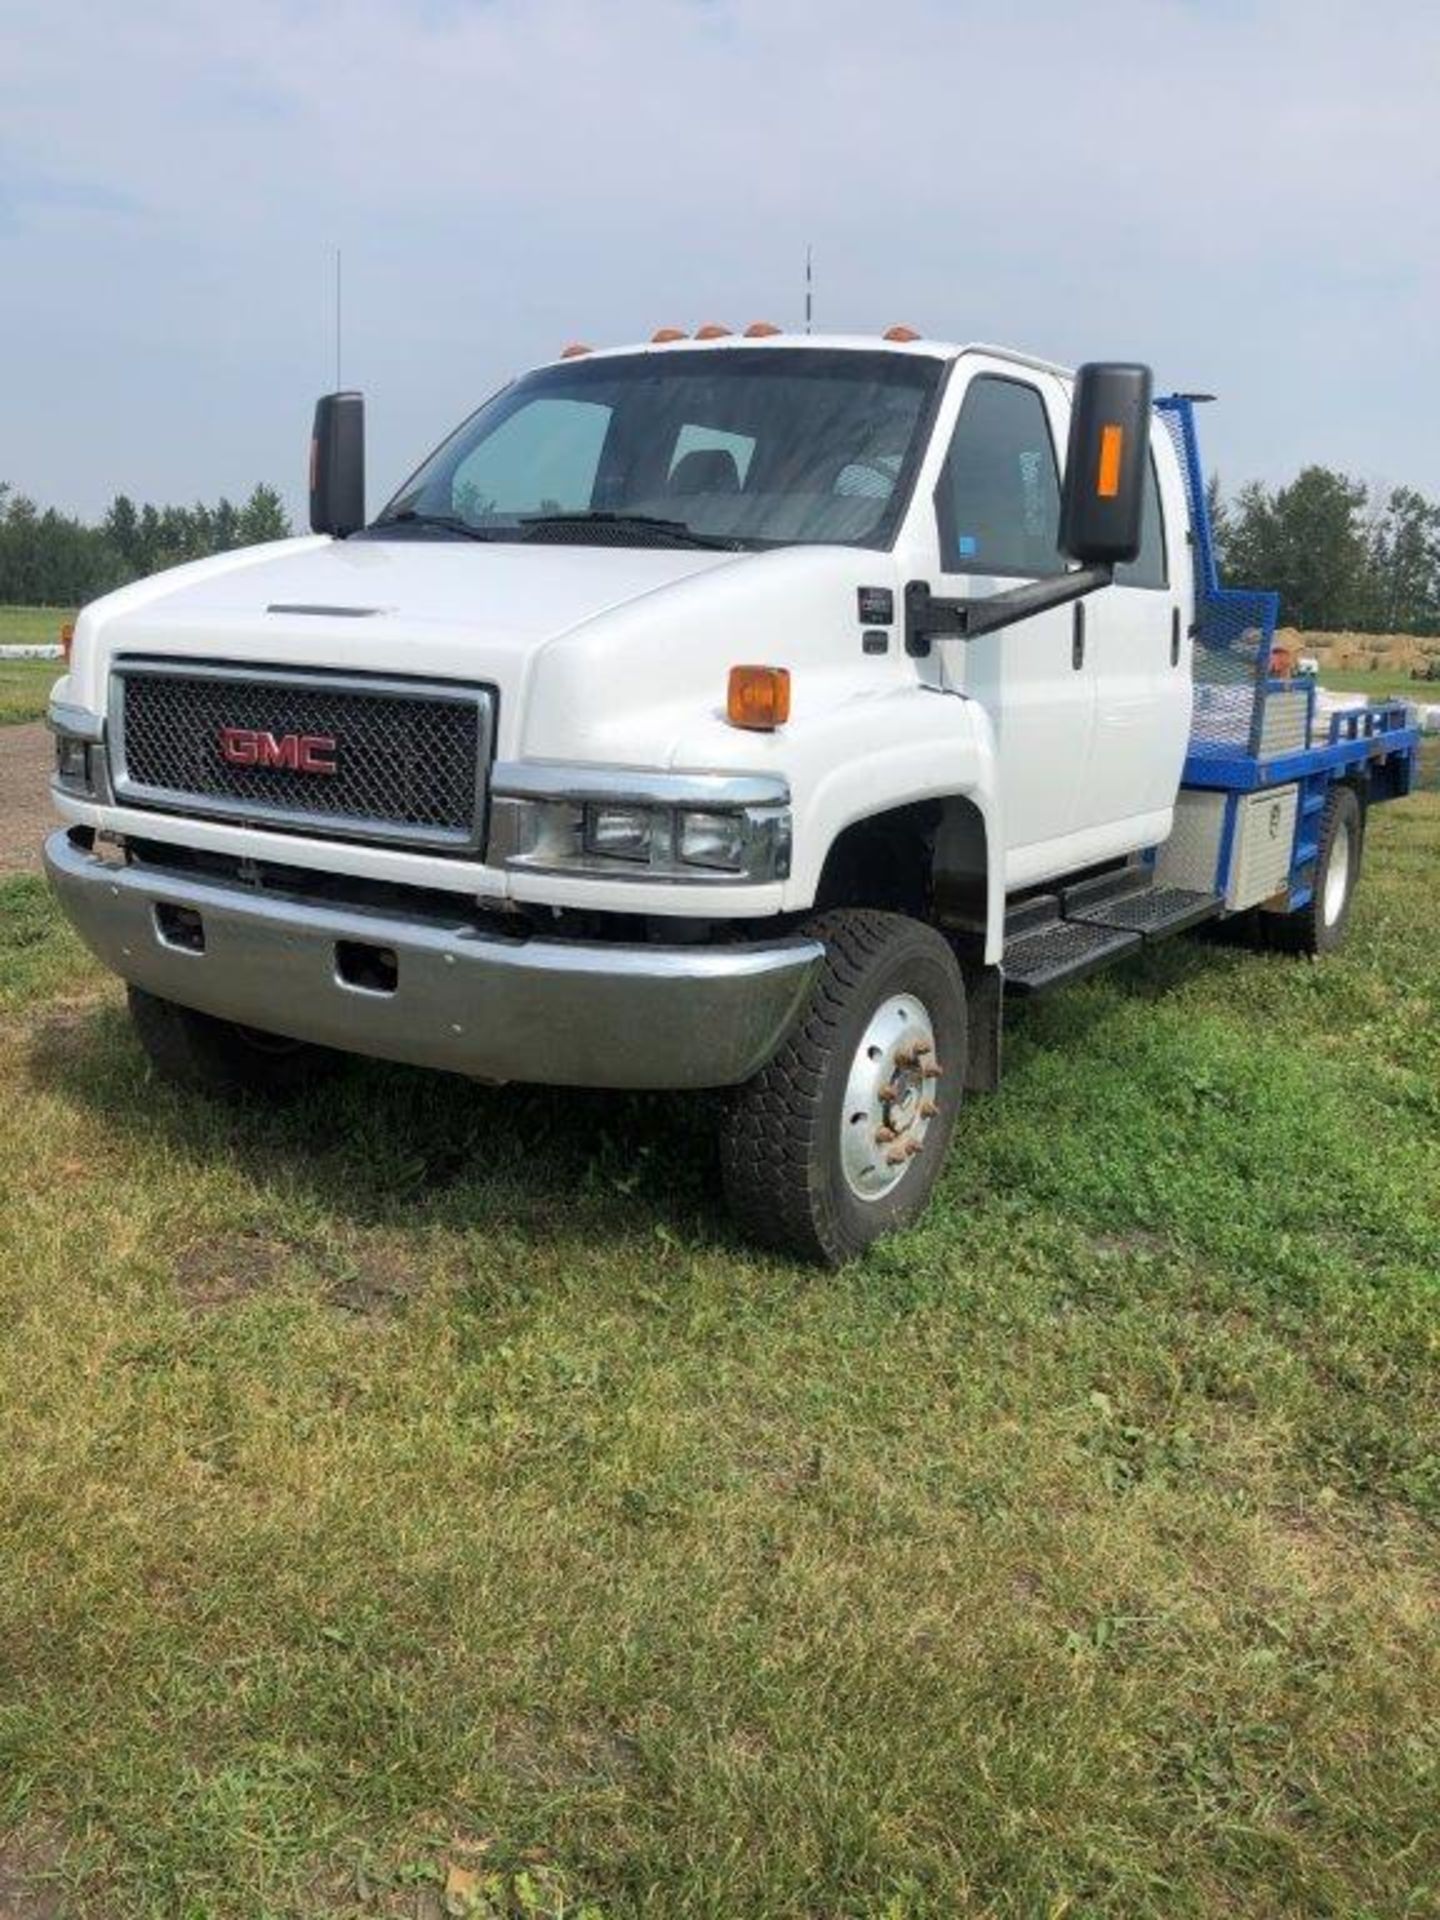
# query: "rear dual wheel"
[[1320, 926], [841, 1138]]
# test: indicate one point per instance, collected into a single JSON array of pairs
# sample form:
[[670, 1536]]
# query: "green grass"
[[25, 689], [25, 684], [425, 1482], [32, 626], [1380, 685]]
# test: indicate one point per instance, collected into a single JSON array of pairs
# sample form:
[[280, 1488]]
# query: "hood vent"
[[334, 613]]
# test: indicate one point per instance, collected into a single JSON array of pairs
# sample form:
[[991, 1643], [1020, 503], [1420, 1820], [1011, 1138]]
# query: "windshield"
[[737, 447]]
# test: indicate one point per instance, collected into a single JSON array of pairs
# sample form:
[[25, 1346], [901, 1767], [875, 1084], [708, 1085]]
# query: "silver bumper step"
[[438, 995]]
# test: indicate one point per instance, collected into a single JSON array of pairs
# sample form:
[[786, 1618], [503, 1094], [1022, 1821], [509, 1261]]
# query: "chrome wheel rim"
[[1337, 872], [889, 1097]]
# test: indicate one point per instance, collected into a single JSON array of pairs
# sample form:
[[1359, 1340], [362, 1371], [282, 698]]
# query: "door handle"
[[1077, 637], [1175, 636]]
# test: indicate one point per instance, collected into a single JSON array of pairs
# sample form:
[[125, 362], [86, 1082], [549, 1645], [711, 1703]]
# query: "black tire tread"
[[768, 1140]]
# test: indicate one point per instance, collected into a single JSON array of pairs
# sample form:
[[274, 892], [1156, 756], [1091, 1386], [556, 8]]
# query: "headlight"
[[675, 827], [619, 833], [713, 840]]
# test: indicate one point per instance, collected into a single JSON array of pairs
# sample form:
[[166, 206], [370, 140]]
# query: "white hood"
[[595, 651]]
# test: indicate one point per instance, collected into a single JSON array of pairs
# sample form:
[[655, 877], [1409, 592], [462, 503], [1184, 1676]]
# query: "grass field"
[[422, 1488], [25, 684], [32, 626], [25, 689], [1381, 685]]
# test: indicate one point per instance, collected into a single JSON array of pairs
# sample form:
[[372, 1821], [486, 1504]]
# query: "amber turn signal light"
[[67, 640], [1112, 446], [758, 698]]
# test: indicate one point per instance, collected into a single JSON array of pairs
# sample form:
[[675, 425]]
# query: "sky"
[[1245, 193]]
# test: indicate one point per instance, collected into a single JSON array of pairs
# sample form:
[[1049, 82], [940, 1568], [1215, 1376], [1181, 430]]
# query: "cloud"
[[1239, 192], [26, 195]]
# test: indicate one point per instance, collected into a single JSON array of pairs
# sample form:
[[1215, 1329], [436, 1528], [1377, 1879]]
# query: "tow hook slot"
[[179, 927], [369, 969]]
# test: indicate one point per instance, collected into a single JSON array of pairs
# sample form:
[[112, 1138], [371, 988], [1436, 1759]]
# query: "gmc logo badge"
[[294, 752]]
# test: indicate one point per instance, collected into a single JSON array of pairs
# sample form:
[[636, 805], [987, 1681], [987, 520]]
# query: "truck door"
[[998, 520], [1138, 652]]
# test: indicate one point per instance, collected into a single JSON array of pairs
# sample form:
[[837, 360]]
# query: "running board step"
[[1102, 921], [1153, 912], [1063, 950]]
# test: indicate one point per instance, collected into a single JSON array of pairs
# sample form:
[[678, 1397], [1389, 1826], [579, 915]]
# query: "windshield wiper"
[[446, 522], [679, 532]]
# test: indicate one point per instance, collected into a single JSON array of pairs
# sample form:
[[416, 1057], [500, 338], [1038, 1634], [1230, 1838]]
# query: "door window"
[[998, 501]]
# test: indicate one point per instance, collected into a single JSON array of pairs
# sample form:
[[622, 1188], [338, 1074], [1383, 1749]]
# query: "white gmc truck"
[[750, 712]]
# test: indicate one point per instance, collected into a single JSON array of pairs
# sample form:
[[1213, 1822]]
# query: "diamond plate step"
[[1152, 912], [1062, 951]]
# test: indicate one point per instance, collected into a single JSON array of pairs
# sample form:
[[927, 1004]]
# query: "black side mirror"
[[337, 465], [1100, 512]]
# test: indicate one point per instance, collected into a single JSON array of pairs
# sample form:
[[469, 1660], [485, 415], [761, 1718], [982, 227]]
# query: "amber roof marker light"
[[575, 349], [902, 334], [662, 336], [761, 330], [712, 331]]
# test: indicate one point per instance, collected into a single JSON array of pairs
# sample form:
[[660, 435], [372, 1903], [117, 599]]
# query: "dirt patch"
[[1134, 1240], [217, 1272], [376, 1277], [537, 1749], [362, 1278], [29, 1861], [64, 1034], [26, 811]]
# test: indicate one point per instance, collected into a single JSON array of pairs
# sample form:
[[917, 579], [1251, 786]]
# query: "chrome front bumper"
[[553, 1012]]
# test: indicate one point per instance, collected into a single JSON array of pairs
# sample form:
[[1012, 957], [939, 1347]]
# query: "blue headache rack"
[[1254, 724]]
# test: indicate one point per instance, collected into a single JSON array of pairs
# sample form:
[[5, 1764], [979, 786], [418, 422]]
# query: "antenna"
[[809, 290], [339, 314]]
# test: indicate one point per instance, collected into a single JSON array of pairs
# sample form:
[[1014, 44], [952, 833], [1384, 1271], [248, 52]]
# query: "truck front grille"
[[400, 761]]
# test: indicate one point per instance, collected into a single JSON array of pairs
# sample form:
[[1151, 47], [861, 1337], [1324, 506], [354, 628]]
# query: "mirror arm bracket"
[[928, 617]]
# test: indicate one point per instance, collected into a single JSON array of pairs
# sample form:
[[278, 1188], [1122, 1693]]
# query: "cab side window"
[[1148, 568], [998, 502]]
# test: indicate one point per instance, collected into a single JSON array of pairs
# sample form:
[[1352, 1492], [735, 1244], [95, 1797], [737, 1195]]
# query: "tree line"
[[1340, 554], [51, 559]]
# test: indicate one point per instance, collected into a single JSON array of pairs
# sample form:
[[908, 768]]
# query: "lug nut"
[[897, 1156], [912, 1147], [884, 1134], [928, 1109]]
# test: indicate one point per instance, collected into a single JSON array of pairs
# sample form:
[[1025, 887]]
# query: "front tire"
[[841, 1138], [205, 1054]]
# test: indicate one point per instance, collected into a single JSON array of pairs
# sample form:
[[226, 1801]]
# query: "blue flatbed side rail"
[[1372, 736]]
